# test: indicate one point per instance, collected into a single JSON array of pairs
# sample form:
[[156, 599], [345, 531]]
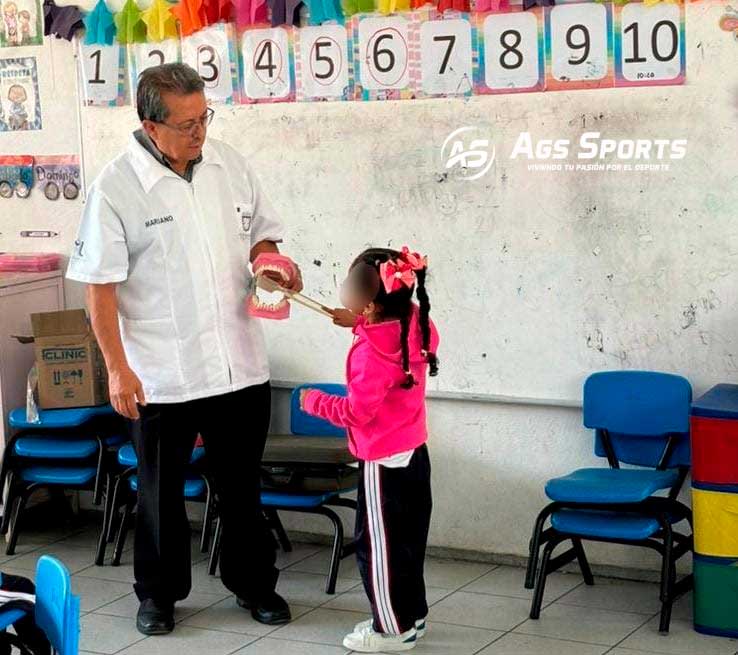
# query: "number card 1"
[[382, 50], [103, 70], [322, 64], [212, 53], [511, 51], [267, 68], [650, 48], [579, 46], [145, 55], [442, 48]]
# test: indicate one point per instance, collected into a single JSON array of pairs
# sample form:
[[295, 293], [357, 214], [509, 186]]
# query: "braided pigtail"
[[425, 322]]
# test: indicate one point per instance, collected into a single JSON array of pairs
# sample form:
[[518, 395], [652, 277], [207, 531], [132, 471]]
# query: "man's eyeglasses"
[[189, 128]]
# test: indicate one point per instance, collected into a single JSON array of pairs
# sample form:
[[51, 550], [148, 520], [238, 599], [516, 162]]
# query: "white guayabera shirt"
[[179, 252]]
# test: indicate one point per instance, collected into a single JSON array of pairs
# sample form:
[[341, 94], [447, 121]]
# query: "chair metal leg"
[[102, 541], [9, 502], [120, 480], [535, 607], [122, 531], [97, 493], [330, 587], [20, 505], [583, 563], [207, 519], [215, 550], [276, 523], [668, 574], [535, 545]]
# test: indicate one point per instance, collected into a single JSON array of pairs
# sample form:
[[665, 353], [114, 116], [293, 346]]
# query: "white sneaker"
[[420, 627], [368, 641]]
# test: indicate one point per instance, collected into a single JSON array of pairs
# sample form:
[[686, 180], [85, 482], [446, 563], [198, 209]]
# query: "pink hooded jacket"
[[382, 418]]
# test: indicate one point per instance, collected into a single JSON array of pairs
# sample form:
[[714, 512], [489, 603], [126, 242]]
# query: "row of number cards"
[[569, 46]]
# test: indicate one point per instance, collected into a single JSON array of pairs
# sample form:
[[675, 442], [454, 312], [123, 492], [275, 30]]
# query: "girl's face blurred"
[[360, 288], [350, 299]]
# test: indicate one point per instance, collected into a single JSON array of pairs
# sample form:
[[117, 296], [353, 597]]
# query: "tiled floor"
[[475, 608]]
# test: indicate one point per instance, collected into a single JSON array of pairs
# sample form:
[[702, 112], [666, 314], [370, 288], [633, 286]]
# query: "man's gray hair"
[[180, 79]]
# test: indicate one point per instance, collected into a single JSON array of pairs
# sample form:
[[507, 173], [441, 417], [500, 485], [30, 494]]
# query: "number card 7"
[[650, 47], [511, 50]]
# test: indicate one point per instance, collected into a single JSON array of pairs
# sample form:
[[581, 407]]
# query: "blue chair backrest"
[[303, 424], [639, 410], [57, 609]]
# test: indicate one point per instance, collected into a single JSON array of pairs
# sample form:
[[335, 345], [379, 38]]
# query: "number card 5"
[[579, 46], [322, 63], [103, 74], [511, 51], [266, 68], [145, 55], [211, 52], [649, 44]]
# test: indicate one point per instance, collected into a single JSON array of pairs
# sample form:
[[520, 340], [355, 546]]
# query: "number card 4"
[[322, 65], [267, 68], [381, 48], [145, 55], [511, 51], [212, 53], [579, 46], [103, 69], [650, 48]]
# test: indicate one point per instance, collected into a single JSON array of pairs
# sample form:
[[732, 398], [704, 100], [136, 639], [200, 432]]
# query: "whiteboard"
[[537, 278]]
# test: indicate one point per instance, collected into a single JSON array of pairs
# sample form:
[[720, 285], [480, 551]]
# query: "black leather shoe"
[[271, 609], [155, 618]]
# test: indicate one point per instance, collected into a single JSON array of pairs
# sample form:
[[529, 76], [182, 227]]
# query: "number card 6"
[[266, 65], [384, 56]]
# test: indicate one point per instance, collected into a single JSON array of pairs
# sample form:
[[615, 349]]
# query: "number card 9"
[[649, 44], [579, 46], [211, 53], [322, 63], [381, 48], [103, 74], [511, 51]]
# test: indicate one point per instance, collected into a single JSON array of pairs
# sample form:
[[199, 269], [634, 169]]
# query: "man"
[[164, 245]]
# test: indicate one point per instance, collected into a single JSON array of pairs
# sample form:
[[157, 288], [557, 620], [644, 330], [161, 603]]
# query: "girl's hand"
[[303, 396], [344, 318]]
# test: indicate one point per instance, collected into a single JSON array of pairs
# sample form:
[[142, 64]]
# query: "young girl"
[[394, 347]]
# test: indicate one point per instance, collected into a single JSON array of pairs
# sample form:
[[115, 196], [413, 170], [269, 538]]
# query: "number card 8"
[[649, 44]]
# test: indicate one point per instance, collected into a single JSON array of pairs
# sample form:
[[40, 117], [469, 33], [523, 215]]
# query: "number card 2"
[[579, 46], [442, 50], [103, 70], [145, 55], [267, 65], [511, 51], [381, 47], [322, 63], [211, 52], [650, 48]]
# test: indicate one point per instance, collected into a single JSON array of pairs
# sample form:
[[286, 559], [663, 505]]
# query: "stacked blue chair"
[[197, 488], [66, 449], [57, 608], [640, 419], [302, 424]]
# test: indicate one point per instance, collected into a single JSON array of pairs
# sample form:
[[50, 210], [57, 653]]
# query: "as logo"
[[474, 158]]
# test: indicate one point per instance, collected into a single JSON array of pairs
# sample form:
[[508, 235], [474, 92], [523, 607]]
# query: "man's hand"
[[344, 317], [126, 392]]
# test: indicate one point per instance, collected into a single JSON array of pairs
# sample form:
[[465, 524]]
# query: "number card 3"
[[103, 69], [267, 67], [145, 55], [212, 53], [579, 46], [442, 51], [650, 48], [322, 63], [511, 51], [381, 46]]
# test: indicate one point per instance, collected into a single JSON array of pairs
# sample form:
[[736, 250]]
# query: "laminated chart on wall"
[[267, 65], [324, 63], [21, 23], [20, 100], [212, 53]]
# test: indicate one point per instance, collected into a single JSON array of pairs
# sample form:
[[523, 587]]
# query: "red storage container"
[[715, 436], [29, 262]]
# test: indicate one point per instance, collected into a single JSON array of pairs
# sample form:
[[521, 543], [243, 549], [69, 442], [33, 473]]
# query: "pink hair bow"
[[413, 259], [395, 274]]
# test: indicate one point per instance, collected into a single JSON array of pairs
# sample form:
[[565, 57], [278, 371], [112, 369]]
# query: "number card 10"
[[649, 44]]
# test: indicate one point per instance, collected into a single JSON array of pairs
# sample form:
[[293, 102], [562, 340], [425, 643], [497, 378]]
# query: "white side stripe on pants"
[[378, 539]]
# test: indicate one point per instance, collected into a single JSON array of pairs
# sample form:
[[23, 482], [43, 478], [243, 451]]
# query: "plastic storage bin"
[[30, 262]]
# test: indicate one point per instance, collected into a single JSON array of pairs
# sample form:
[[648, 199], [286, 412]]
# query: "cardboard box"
[[71, 369]]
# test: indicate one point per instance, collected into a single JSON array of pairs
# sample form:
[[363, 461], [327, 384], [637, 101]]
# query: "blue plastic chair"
[[304, 425], [197, 487], [640, 419], [67, 448], [57, 608]]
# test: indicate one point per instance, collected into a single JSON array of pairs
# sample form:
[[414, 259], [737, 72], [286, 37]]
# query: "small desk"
[[291, 449]]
